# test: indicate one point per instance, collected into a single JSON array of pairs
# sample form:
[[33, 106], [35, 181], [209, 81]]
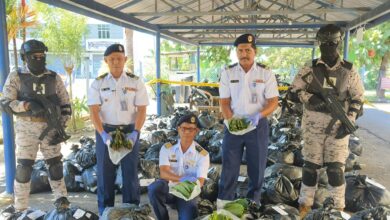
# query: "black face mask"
[[36, 66], [329, 53]]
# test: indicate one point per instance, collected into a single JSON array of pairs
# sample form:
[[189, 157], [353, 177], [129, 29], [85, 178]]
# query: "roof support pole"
[[8, 128], [313, 53], [198, 63], [346, 40], [158, 73]]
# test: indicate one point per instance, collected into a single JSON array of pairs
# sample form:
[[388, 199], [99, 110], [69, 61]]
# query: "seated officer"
[[184, 160]]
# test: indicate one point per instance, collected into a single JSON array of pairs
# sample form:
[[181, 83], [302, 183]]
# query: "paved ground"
[[373, 133]]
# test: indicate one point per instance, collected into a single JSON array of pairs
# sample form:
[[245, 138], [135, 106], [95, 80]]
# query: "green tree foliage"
[[377, 39], [62, 31], [212, 60], [285, 61]]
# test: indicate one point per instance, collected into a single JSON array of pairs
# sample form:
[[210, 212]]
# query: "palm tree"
[[19, 17]]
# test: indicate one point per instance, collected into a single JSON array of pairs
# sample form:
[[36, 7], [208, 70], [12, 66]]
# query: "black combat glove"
[[317, 102], [342, 132], [36, 108]]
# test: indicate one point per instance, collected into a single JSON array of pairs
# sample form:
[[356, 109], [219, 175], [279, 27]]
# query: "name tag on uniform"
[[124, 105], [129, 89], [173, 160], [234, 81], [258, 81], [105, 89]]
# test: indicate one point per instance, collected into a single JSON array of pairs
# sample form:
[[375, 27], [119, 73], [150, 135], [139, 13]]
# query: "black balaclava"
[[329, 38], [329, 53], [36, 66]]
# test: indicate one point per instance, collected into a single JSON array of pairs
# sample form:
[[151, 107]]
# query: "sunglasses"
[[184, 129]]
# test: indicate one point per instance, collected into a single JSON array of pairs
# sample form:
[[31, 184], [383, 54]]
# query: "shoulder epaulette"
[[261, 65], [102, 76], [168, 145], [347, 65], [233, 65], [201, 150], [132, 75], [314, 62]]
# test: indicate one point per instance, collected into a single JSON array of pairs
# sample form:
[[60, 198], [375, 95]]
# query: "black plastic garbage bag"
[[281, 154], [127, 211], [72, 156], [143, 147], [153, 152], [72, 177], [210, 190], [326, 212], [39, 178], [355, 146], [219, 127], [149, 168], [293, 173], [363, 193], [86, 156], [157, 137], [215, 151], [214, 173], [86, 141], [205, 207], [281, 190], [203, 138], [281, 212], [10, 213], [206, 120], [63, 211], [352, 163], [89, 177], [377, 213]]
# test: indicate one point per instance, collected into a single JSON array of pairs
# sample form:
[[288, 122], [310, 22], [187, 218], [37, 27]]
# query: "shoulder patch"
[[347, 65], [132, 75], [261, 65], [168, 145], [201, 150], [102, 76], [233, 65]]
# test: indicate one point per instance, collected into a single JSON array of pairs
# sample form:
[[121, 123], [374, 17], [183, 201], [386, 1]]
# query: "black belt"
[[116, 126]]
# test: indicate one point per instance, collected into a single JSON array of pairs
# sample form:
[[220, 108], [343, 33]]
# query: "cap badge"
[[120, 48], [250, 39], [192, 119]]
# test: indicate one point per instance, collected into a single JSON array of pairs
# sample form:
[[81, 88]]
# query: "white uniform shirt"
[[194, 162], [118, 98], [248, 91]]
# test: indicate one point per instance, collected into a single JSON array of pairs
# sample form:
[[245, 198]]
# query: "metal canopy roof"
[[284, 22]]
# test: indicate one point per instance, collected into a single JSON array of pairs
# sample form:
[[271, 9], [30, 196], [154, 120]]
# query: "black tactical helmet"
[[32, 46], [330, 33]]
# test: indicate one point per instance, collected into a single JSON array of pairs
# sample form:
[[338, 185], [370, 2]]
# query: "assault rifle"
[[336, 110], [53, 117]]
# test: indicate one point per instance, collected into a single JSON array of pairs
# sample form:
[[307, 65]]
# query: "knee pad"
[[24, 170], [55, 168], [309, 173], [335, 171]]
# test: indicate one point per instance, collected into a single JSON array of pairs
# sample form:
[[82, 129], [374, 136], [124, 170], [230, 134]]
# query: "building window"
[[103, 31]]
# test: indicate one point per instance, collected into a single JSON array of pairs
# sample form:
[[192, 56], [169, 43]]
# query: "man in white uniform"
[[247, 89], [117, 100], [180, 161]]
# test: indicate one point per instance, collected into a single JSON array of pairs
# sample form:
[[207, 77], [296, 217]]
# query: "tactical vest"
[[32, 85], [334, 81]]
